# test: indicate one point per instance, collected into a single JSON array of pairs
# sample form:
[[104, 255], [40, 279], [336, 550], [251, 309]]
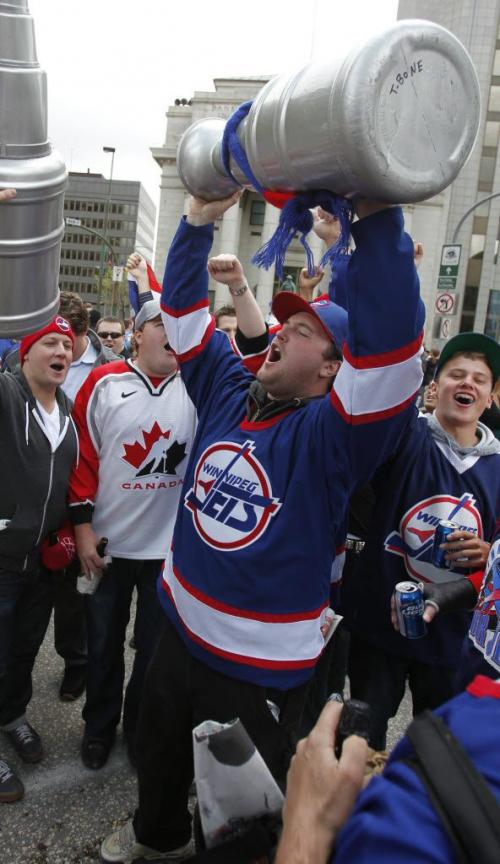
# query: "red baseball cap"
[[59, 548], [333, 318]]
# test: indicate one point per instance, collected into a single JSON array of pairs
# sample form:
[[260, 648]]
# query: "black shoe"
[[73, 683], [11, 788], [95, 751], [26, 742]]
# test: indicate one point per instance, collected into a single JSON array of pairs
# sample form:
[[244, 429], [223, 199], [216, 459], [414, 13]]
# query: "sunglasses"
[[105, 334]]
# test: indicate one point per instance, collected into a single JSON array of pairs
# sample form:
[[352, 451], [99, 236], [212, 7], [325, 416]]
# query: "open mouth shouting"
[[464, 398], [58, 367], [274, 353]]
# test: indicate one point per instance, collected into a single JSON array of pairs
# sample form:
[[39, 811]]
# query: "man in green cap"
[[446, 468]]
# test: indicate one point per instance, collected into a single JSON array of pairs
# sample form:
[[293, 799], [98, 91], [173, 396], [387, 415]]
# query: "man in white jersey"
[[136, 425]]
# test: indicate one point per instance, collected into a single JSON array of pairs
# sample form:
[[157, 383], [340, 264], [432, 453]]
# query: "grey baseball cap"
[[150, 310]]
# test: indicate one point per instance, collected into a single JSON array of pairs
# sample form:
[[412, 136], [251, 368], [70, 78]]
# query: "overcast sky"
[[114, 66]]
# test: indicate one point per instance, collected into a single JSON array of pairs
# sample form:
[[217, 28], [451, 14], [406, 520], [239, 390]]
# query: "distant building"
[[123, 213], [244, 227], [477, 287]]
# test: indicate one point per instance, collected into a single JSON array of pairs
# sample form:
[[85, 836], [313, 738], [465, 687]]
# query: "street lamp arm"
[[471, 210], [101, 237]]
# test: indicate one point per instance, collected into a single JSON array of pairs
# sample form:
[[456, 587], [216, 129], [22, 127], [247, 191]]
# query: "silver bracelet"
[[237, 292]]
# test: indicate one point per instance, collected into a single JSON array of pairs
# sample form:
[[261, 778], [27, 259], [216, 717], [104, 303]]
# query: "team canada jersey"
[[247, 582], [135, 439], [425, 482]]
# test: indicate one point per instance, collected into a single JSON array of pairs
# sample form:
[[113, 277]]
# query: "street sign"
[[445, 303], [118, 274], [445, 328], [71, 221], [449, 270], [450, 257], [447, 283]]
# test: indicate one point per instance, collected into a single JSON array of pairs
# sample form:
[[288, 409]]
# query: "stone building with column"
[[477, 288], [247, 225]]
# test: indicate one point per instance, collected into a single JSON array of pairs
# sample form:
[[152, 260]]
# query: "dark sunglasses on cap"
[[106, 334]]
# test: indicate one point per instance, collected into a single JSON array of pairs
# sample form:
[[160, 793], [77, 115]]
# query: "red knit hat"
[[57, 325]]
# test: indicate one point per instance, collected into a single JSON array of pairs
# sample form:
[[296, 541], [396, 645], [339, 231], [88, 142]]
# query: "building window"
[[469, 308], [486, 173], [491, 134], [492, 326], [496, 64], [494, 101], [477, 245], [257, 210]]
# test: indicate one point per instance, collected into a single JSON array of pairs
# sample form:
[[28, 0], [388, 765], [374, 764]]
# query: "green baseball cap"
[[477, 343]]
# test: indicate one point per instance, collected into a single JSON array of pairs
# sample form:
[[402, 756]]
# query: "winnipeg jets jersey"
[[135, 439], [425, 482], [247, 582]]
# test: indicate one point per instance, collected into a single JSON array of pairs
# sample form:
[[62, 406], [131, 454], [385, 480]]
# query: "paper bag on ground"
[[233, 783]]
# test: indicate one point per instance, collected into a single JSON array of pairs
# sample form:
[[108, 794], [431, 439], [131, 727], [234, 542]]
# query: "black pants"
[[107, 614], [25, 609], [180, 692], [380, 679], [329, 677], [70, 632]]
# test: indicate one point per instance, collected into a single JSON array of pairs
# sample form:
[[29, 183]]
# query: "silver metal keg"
[[393, 120], [31, 225]]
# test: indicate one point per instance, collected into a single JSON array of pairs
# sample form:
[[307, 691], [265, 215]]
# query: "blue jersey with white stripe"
[[425, 482], [247, 581]]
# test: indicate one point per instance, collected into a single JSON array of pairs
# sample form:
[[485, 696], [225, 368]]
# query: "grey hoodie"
[[487, 444]]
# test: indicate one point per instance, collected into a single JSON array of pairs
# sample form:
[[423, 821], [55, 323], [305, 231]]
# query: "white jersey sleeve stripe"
[[265, 643], [186, 332], [380, 390]]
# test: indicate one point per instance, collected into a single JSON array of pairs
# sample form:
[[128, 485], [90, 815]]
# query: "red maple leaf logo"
[[136, 453]]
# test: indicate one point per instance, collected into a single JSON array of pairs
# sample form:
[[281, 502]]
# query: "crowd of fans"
[[247, 477]]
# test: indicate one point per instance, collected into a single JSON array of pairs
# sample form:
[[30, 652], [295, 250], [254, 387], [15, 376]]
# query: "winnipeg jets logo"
[[231, 498], [415, 538], [157, 455]]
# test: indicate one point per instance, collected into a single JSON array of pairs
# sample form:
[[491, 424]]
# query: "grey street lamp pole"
[[471, 210], [111, 150]]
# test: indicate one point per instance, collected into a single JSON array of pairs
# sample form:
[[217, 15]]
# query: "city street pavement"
[[67, 809]]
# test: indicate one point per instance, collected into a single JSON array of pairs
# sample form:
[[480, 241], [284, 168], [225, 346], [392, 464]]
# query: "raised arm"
[[227, 270], [374, 391], [138, 268], [205, 356]]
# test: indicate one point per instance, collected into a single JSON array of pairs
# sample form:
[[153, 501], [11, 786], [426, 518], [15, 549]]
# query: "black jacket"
[[34, 480]]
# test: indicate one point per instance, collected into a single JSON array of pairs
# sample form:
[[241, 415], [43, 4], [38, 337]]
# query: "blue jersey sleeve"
[[394, 821], [209, 366], [374, 392]]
